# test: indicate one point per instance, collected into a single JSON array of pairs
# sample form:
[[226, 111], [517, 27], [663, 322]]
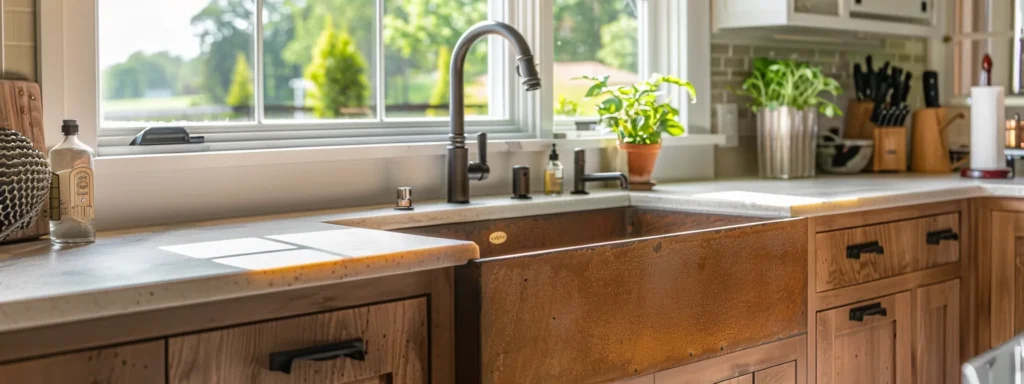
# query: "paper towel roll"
[[988, 119]]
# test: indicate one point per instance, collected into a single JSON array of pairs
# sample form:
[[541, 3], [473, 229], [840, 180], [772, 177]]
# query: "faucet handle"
[[481, 145], [479, 171]]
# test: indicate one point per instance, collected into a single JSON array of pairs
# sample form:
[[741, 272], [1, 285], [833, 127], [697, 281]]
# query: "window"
[[595, 38], [177, 67], [214, 62], [261, 74]]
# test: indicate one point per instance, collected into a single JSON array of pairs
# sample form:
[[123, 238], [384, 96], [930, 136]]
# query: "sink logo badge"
[[498, 237]]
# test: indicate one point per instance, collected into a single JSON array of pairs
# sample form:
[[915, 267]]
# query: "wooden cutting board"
[[21, 110]]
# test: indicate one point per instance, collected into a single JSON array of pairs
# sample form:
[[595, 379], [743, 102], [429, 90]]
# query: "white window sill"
[[199, 160]]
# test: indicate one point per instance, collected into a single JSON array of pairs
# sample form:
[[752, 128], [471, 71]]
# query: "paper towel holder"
[[988, 139], [1003, 173]]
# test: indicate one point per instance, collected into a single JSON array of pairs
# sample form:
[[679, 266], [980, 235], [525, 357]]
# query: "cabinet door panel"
[[745, 379], [779, 374], [1006, 272], [128, 364], [393, 339], [875, 349], [781, 362], [937, 344], [937, 347]]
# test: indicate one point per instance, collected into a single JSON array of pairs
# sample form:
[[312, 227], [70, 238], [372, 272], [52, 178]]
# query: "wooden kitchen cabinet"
[[781, 362], [382, 343], [856, 255], [937, 334], [866, 342], [1001, 276], [127, 364], [745, 379], [779, 374]]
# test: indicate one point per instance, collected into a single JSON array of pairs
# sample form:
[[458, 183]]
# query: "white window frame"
[[69, 75]]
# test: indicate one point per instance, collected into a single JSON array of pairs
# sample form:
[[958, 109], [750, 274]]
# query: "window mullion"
[[380, 79], [257, 60]]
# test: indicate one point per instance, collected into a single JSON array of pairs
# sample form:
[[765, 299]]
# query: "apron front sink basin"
[[603, 295], [512, 236]]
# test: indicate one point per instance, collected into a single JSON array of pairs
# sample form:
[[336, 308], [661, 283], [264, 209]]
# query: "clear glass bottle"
[[72, 218], [553, 174]]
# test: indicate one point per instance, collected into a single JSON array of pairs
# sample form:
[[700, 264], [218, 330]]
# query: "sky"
[[126, 26]]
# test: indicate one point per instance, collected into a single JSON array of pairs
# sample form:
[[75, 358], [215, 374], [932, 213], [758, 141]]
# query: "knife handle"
[[931, 89]]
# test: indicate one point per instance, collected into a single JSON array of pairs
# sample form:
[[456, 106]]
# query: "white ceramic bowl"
[[843, 156]]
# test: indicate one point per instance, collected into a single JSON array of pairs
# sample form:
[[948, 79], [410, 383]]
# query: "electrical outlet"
[[728, 124]]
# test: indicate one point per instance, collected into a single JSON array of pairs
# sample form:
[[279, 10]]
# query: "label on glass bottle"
[[553, 181], [73, 191]]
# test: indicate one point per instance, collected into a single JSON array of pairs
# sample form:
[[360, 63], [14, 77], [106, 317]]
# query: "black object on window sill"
[[166, 136]]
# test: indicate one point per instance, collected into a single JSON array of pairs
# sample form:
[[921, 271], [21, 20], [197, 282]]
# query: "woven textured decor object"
[[24, 182]]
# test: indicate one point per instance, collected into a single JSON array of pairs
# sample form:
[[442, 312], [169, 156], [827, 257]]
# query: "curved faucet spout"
[[460, 169], [526, 67]]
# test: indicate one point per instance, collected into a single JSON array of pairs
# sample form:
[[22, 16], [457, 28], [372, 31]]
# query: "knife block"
[[929, 148], [890, 149], [857, 122]]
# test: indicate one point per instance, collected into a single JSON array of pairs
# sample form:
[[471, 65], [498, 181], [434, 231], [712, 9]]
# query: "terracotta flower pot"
[[641, 158]]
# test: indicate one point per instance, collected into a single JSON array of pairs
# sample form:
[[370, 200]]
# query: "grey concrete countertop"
[[157, 267]]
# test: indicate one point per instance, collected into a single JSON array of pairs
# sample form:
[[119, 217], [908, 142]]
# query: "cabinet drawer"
[[858, 255], [384, 343], [128, 364], [866, 342]]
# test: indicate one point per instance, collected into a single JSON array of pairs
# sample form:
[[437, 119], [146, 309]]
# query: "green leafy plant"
[[567, 107], [787, 83], [634, 112]]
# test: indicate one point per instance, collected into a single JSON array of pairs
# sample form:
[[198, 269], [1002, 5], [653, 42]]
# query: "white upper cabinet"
[[910, 10], [913, 18]]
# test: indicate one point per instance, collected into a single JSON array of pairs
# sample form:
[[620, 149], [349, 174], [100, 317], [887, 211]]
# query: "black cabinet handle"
[[854, 251], [352, 349], [876, 309], [936, 237]]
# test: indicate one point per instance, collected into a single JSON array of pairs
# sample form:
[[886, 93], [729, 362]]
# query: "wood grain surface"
[[937, 340], [745, 379], [1004, 279], [779, 374], [435, 284], [905, 250], [876, 350], [604, 313], [765, 363], [127, 364], [395, 336]]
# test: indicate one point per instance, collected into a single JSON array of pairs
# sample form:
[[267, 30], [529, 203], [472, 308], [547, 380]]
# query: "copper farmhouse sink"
[[603, 295], [519, 235]]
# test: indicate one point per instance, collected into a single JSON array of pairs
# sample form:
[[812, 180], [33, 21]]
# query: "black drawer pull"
[[876, 309], [854, 251], [936, 237], [352, 349]]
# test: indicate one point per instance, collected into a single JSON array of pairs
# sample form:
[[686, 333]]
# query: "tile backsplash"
[[18, 20], [731, 63]]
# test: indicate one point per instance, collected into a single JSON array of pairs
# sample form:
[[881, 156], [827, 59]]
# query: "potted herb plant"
[[787, 97], [639, 116]]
